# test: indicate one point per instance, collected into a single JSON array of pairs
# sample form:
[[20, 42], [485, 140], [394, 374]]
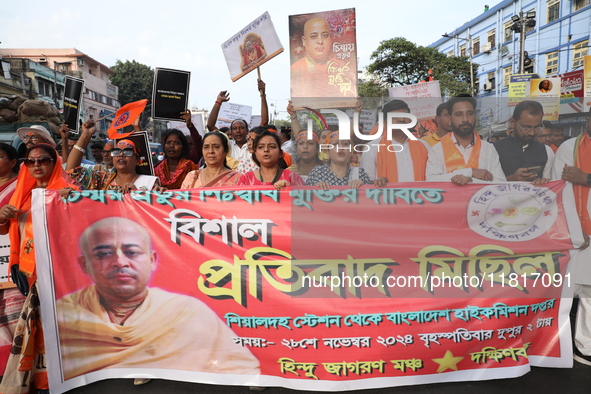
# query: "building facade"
[[100, 96], [554, 46]]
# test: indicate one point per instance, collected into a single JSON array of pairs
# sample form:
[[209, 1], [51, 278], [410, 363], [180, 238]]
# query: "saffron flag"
[[125, 116]]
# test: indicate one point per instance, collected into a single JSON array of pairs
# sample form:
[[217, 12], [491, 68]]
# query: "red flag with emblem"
[[125, 116]]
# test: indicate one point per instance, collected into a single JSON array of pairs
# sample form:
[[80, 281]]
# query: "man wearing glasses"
[[522, 158], [35, 135]]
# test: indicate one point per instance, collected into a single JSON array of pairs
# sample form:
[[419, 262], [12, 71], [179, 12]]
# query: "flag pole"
[[259, 72], [105, 117]]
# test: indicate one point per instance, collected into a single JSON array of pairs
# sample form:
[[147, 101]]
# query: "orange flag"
[[125, 116]]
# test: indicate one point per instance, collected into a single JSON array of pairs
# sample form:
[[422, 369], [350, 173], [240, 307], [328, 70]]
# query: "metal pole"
[[521, 41], [471, 68]]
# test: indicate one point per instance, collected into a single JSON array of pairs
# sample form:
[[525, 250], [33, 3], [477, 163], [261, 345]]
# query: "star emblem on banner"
[[447, 362]]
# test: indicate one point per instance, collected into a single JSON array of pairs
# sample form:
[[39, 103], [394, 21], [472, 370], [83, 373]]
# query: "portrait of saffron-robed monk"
[[120, 322]]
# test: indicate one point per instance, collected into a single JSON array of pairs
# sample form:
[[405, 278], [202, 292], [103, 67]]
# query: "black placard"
[[170, 94], [72, 100]]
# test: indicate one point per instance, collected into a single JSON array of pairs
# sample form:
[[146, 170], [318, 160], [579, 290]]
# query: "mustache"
[[120, 271]]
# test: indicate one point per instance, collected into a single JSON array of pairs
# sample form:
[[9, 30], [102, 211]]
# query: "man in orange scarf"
[[399, 160], [462, 156], [572, 163]]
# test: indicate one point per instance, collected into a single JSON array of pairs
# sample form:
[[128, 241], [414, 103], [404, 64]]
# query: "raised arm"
[[264, 107], [196, 153], [293, 115], [65, 133], [75, 156], [213, 116]]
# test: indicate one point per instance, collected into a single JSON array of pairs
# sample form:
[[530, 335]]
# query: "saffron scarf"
[[454, 160], [583, 150], [21, 199], [387, 165]]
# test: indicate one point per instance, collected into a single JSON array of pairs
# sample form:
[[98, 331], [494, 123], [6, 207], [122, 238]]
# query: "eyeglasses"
[[43, 160], [537, 128], [127, 152], [32, 137]]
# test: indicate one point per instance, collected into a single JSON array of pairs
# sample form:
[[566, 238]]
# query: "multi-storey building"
[[100, 96], [555, 45]]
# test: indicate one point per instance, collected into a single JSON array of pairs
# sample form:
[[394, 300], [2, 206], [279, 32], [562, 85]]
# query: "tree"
[[134, 80], [399, 62]]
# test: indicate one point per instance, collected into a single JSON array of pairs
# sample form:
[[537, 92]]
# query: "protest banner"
[[72, 100], [265, 272], [255, 44], [142, 143], [323, 54], [546, 91], [422, 98], [170, 94]]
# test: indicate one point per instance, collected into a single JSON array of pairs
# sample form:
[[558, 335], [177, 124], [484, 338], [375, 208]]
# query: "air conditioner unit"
[[487, 47], [81, 62], [486, 87]]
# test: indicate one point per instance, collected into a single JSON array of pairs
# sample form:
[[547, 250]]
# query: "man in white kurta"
[[573, 163], [121, 323]]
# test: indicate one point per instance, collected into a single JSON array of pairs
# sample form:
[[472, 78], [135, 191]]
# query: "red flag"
[[125, 116]]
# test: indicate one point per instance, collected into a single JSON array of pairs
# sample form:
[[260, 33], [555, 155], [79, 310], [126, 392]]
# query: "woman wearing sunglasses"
[[126, 159], [41, 170]]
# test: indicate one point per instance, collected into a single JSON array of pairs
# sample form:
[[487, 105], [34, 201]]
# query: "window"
[[551, 63], [508, 31], [475, 46], [44, 88], [528, 28], [463, 50], [103, 99], [507, 72], [581, 4], [580, 53], [450, 53], [490, 37], [553, 10], [491, 80]]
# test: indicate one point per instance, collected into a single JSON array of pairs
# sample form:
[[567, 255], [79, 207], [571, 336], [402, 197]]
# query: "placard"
[[170, 94], [255, 44], [72, 99]]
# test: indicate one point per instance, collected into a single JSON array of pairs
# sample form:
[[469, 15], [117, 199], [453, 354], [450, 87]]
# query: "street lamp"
[[469, 40], [519, 24]]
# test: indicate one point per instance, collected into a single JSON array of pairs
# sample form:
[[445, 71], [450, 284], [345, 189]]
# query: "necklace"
[[119, 315], [277, 173]]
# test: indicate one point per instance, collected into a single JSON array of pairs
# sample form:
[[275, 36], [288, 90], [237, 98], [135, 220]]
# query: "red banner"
[[309, 289]]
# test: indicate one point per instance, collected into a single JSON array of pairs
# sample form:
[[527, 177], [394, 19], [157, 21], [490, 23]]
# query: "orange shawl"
[[387, 166], [582, 151], [454, 160], [21, 199]]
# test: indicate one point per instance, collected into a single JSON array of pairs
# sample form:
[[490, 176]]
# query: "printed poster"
[[323, 57], [422, 98], [547, 91], [254, 45]]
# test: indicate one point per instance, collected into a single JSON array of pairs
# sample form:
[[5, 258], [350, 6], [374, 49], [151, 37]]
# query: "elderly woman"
[[126, 159], [42, 169], [174, 168], [268, 156], [216, 172], [337, 171]]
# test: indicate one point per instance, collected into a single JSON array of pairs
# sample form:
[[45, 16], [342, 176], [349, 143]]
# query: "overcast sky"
[[187, 35]]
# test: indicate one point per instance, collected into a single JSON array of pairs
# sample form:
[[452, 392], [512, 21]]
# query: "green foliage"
[[134, 80], [399, 62], [372, 93]]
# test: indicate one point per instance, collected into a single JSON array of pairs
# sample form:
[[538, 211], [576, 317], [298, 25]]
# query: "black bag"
[[20, 279]]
